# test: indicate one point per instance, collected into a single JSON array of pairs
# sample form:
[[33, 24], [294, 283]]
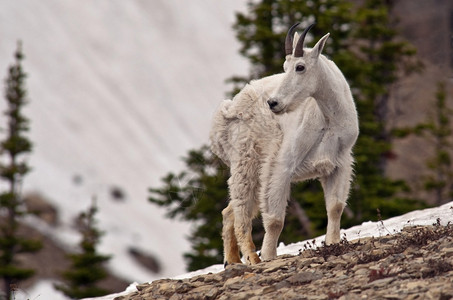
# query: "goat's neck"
[[330, 92]]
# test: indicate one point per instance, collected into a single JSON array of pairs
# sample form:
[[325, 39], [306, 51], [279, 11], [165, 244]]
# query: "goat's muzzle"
[[272, 103]]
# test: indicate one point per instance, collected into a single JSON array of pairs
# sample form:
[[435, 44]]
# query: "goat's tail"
[[218, 135]]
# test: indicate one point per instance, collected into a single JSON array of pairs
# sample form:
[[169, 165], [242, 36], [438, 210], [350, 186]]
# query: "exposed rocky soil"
[[416, 263]]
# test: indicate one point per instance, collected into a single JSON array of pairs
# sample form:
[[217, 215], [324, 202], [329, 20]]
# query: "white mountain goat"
[[308, 132]]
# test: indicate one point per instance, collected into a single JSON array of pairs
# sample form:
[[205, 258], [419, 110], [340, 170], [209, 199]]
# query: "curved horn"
[[299, 51], [289, 39]]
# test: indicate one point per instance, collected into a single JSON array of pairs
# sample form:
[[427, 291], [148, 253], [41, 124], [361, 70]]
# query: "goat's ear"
[[285, 64], [317, 49]]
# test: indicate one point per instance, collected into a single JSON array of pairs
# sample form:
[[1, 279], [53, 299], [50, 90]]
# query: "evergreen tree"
[[367, 50], [198, 195], [13, 168], [377, 63], [87, 267]]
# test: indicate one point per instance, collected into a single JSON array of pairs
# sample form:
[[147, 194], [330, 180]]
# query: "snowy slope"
[[119, 91], [367, 229]]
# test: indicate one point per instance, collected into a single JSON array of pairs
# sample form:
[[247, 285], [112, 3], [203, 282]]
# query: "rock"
[[176, 297], [39, 206], [145, 259], [274, 265], [234, 270], [212, 278], [306, 262], [362, 271], [404, 269], [269, 289], [304, 277], [379, 283], [447, 252], [233, 283], [415, 285], [392, 296], [282, 284], [208, 291]]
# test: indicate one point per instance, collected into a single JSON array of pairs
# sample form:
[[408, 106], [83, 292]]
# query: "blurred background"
[[120, 91]]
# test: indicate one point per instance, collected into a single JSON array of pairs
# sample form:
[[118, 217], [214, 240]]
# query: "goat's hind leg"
[[230, 244], [243, 229], [336, 189], [243, 185]]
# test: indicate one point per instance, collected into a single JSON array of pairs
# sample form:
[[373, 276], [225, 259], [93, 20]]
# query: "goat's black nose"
[[272, 103]]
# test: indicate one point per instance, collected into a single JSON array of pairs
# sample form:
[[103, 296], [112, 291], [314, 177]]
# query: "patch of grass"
[[419, 236], [416, 236], [325, 251], [336, 249], [412, 236]]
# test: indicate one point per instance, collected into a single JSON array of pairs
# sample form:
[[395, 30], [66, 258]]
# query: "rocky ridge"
[[416, 263]]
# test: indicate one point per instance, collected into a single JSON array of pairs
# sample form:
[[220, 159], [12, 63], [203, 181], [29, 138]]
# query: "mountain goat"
[[305, 130]]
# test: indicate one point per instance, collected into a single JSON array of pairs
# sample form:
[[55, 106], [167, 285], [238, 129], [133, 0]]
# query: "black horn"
[[299, 51], [289, 39]]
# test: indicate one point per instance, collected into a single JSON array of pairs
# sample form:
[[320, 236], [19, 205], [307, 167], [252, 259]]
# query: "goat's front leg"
[[336, 189]]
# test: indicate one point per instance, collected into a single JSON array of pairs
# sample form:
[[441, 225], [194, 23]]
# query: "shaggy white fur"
[[305, 130]]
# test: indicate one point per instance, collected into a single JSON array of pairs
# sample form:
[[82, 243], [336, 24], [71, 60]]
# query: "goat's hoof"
[[268, 257], [324, 166], [253, 259], [331, 240], [329, 243], [227, 264], [232, 260]]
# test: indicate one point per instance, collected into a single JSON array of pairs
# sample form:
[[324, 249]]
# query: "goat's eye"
[[300, 68]]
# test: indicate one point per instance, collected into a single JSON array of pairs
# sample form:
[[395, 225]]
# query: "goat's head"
[[302, 71]]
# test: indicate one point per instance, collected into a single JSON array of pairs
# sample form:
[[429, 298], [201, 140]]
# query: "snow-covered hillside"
[[119, 91]]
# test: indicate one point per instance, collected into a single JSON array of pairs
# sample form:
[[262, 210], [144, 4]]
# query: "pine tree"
[[365, 47], [13, 168], [378, 63], [198, 195], [87, 267]]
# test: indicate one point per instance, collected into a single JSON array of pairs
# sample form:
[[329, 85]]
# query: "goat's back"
[[244, 124]]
